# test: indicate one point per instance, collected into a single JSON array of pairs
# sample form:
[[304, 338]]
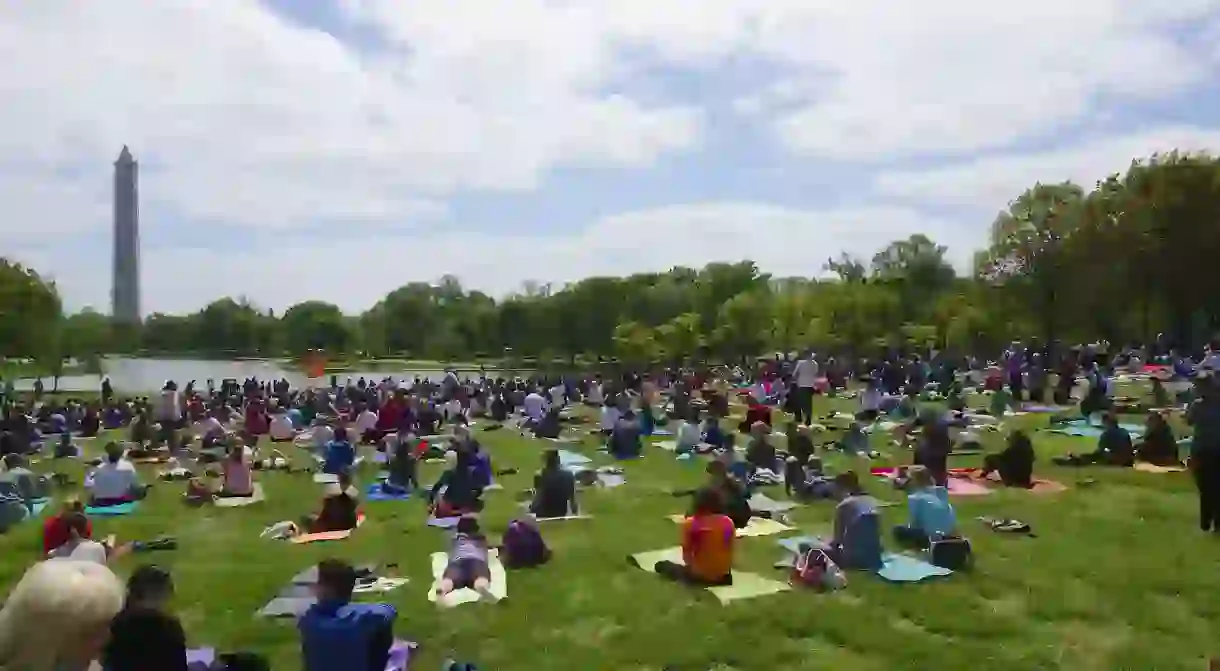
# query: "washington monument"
[[125, 295]]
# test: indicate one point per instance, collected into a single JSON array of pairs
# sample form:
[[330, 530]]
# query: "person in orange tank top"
[[707, 545]]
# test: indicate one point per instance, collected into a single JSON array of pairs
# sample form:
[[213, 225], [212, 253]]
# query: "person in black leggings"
[[1204, 416]]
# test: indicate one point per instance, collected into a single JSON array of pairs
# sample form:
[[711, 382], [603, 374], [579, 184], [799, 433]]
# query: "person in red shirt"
[[55, 531], [707, 545]]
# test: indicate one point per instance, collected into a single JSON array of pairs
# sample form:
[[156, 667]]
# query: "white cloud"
[[992, 181], [782, 241]]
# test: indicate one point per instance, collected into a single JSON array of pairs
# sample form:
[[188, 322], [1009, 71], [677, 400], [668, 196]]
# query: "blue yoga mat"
[[40, 505], [905, 568], [1081, 428], [113, 511], [374, 492], [661, 432]]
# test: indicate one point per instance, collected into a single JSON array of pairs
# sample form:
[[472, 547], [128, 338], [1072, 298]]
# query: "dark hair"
[[848, 481], [76, 521], [336, 578], [149, 582], [708, 502], [341, 434], [114, 452], [468, 524], [550, 460]]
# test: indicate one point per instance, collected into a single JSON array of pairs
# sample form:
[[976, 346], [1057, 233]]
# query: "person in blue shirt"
[[714, 435], [338, 635], [931, 515], [340, 454], [1114, 447]]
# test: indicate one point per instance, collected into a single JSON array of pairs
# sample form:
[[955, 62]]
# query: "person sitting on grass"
[[79, 546], [548, 426], [455, 492], [854, 440], [56, 530], [238, 480], [624, 440], [65, 448], [856, 543], [115, 481], [339, 634], [755, 413], [18, 479], [688, 435], [800, 442], [340, 510], [713, 435], [554, 489], [708, 537], [999, 402], [321, 436], [1114, 447], [145, 635], [1160, 396], [340, 454], [1158, 446], [468, 565], [1015, 463], [931, 515], [760, 453], [282, 429]]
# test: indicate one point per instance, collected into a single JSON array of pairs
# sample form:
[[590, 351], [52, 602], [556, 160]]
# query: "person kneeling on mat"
[[931, 515], [708, 536], [455, 492], [468, 562]]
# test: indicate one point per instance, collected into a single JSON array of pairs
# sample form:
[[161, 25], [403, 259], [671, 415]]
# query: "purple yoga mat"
[[400, 655]]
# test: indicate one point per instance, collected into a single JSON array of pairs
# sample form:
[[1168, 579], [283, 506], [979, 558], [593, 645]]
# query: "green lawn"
[[1118, 577]]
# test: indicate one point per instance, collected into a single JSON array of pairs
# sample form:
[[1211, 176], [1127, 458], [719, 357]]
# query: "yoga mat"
[[611, 480], [1146, 467], [967, 487], [374, 492], [113, 511], [660, 432], [562, 519], [444, 522], [569, 458], [1047, 487], [1045, 408], [762, 503], [325, 479], [905, 569], [38, 506], [379, 586], [237, 501], [757, 526], [499, 581], [400, 655], [745, 585], [327, 535], [201, 657], [282, 606]]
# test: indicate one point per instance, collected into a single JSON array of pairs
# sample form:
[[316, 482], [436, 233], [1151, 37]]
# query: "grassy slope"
[[1118, 577]]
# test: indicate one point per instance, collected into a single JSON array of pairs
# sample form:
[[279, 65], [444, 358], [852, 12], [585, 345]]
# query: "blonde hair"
[[58, 606]]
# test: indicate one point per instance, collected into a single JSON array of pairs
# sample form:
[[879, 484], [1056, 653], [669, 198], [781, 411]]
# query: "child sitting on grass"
[[468, 562]]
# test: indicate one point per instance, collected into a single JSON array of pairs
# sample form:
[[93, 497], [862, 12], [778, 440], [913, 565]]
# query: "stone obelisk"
[[125, 295]]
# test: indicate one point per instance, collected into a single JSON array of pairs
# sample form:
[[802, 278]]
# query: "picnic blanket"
[[499, 581], [745, 585]]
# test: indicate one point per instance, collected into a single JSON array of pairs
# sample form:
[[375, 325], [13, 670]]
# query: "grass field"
[[1118, 577]]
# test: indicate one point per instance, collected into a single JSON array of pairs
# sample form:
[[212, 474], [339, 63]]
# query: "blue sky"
[[334, 150]]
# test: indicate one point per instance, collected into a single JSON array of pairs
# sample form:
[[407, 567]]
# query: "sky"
[[334, 150]]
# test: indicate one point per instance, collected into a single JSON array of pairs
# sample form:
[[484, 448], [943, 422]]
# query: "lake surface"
[[148, 375]]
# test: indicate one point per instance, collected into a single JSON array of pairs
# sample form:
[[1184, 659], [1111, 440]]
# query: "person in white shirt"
[[870, 402], [535, 406], [688, 435], [452, 410], [558, 395], [322, 434], [805, 374], [209, 426], [281, 428], [595, 397], [168, 406], [366, 425], [610, 417], [115, 481]]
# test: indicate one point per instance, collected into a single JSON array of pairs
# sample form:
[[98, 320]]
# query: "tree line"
[[1129, 259]]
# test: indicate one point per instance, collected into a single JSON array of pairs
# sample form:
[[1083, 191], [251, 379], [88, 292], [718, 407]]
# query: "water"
[[149, 375]]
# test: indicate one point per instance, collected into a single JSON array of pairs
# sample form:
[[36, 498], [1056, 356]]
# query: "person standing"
[[1204, 416], [806, 376]]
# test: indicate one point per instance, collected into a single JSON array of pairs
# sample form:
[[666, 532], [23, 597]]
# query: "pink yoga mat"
[[965, 487]]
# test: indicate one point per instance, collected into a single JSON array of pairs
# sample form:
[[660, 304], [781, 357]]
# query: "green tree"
[[316, 325]]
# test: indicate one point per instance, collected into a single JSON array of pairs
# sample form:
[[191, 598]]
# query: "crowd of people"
[[211, 438]]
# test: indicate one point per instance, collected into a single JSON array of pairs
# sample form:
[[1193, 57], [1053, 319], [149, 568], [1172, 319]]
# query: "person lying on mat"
[[554, 489], [340, 509], [115, 481], [79, 546], [708, 536], [238, 476], [931, 515], [146, 634], [56, 530], [339, 634], [760, 453], [1015, 463], [856, 543], [1114, 447], [1158, 446], [468, 566], [455, 492]]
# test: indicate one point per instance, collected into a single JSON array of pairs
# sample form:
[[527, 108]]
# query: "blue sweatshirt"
[[931, 511], [337, 636]]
